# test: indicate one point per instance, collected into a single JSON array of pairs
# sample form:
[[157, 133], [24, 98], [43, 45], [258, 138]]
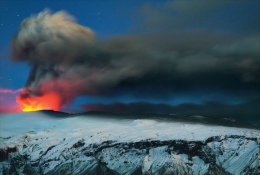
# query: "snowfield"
[[38, 143]]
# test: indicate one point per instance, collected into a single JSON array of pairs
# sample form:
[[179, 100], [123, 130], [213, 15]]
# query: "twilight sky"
[[104, 54]]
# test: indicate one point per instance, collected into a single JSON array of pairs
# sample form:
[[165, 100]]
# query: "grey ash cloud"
[[173, 54], [244, 113]]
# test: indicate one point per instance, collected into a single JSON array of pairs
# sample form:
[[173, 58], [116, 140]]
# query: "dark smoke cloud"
[[199, 6], [247, 113], [217, 15], [67, 59]]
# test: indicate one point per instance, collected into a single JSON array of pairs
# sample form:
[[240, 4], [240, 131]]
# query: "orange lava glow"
[[49, 101]]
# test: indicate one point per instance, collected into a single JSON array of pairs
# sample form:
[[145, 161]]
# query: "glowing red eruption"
[[48, 101]]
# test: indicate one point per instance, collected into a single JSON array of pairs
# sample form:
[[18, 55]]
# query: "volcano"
[[48, 101], [49, 142]]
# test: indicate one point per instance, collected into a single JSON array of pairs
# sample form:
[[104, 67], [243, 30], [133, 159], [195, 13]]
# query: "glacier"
[[38, 143]]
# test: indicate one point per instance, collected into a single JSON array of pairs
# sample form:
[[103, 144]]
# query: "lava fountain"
[[48, 101]]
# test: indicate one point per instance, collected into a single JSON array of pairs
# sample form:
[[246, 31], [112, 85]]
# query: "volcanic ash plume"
[[67, 61], [54, 45]]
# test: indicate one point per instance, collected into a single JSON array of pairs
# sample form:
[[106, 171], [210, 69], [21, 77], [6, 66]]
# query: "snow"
[[90, 144], [233, 160], [112, 129], [155, 162]]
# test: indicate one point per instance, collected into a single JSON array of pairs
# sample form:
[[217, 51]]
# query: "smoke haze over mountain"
[[178, 49]]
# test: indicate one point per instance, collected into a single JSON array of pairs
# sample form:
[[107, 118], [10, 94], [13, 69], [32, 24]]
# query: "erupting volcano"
[[48, 101]]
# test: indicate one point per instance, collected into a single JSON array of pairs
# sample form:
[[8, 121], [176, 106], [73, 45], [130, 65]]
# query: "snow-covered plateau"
[[39, 143]]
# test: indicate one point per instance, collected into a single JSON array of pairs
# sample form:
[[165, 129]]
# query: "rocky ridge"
[[117, 149]]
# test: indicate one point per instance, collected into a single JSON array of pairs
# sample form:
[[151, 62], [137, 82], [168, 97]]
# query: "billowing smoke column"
[[67, 61], [52, 44]]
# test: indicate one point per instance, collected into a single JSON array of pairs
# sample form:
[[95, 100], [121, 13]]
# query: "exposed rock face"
[[216, 155], [112, 147]]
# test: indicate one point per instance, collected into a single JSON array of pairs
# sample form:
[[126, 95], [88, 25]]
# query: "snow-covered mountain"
[[38, 143]]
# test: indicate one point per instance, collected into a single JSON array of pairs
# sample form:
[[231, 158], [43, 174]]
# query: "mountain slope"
[[34, 143]]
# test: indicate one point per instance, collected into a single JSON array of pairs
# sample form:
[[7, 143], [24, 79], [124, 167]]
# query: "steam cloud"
[[67, 59]]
